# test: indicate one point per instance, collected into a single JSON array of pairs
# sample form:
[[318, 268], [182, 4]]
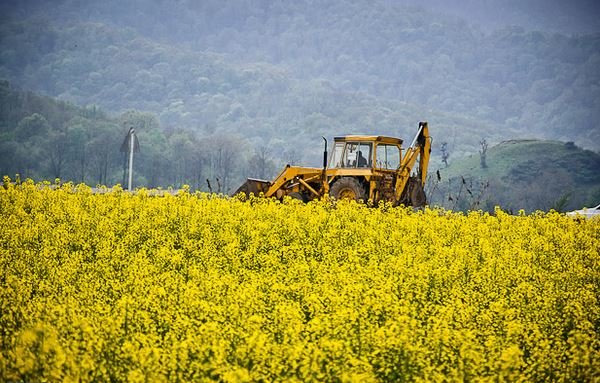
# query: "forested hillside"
[[520, 174], [275, 76], [153, 56], [45, 139]]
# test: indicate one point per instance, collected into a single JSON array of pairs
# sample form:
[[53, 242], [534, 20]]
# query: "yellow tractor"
[[367, 168]]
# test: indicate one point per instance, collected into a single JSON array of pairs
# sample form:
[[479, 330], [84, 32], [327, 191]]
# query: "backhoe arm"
[[420, 149]]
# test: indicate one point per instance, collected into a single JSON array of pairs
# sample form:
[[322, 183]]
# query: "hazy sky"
[[568, 16]]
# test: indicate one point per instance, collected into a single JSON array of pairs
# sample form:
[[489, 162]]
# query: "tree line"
[[270, 70], [44, 139]]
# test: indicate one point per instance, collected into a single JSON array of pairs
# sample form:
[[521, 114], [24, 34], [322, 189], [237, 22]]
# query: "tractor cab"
[[366, 152]]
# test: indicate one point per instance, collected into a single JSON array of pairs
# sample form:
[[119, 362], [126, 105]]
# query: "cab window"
[[357, 155], [337, 159], [387, 157], [352, 155]]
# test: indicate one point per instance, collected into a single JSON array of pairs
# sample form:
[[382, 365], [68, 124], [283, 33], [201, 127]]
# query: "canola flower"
[[137, 288]]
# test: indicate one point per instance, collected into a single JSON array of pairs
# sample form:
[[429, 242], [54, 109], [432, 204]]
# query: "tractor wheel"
[[348, 188], [297, 195], [417, 194], [413, 194]]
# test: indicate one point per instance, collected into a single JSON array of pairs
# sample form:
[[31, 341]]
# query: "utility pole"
[[131, 150], [130, 144]]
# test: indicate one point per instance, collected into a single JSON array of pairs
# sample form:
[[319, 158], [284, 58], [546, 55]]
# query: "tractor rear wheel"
[[348, 188], [416, 194], [297, 195]]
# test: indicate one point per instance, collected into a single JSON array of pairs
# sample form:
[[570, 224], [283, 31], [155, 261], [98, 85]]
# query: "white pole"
[[131, 147]]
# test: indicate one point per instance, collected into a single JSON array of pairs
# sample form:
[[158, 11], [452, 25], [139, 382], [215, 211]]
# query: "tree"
[[154, 157], [9, 150], [186, 159], [141, 121], [224, 158], [445, 154], [291, 156], [78, 147], [260, 164], [483, 145], [56, 147], [30, 126], [32, 146], [103, 150]]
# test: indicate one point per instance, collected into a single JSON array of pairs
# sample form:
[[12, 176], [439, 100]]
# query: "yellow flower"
[[197, 287]]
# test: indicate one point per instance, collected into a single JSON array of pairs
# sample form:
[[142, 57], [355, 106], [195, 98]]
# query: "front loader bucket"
[[254, 186]]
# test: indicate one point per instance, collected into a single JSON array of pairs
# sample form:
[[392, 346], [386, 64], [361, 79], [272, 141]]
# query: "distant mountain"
[[229, 89], [262, 68], [521, 174], [119, 70]]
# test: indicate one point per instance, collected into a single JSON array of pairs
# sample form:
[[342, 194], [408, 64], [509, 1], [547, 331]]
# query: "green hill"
[[275, 71], [44, 138], [521, 174], [263, 81], [120, 70]]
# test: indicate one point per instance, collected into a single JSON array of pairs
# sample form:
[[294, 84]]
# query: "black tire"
[[416, 194], [348, 188]]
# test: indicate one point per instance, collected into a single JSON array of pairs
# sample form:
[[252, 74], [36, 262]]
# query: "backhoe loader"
[[361, 168]]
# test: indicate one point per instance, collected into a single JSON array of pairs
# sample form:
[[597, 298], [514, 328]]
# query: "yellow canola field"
[[192, 288]]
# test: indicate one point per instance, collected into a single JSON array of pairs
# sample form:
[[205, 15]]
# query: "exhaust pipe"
[[325, 153]]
